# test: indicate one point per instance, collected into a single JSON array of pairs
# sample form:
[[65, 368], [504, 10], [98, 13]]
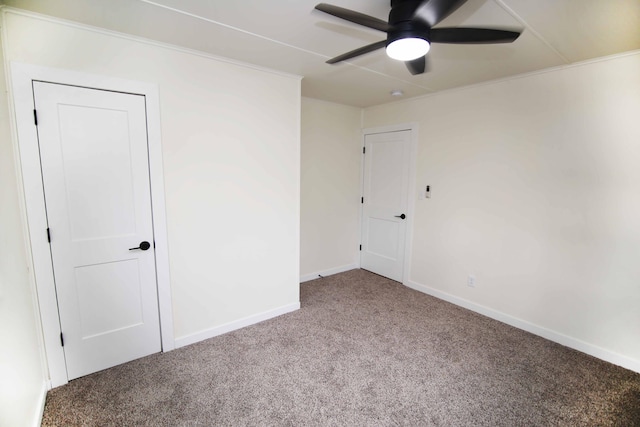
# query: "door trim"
[[29, 173], [412, 195]]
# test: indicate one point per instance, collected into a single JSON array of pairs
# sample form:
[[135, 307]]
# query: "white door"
[[385, 203], [95, 168]]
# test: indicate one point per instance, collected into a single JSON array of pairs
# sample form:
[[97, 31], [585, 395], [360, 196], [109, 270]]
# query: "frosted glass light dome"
[[408, 49]]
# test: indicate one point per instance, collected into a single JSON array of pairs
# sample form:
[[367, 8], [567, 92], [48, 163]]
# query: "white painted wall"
[[535, 191], [330, 188], [22, 380], [231, 147]]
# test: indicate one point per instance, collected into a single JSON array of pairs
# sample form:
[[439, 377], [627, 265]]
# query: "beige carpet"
[[362, 351]]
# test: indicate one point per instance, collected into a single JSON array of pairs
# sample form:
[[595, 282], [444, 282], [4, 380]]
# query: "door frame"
[[412, 195], [25, 138]]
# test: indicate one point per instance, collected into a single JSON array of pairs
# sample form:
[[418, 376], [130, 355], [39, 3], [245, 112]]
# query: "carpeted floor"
[[362, 351]]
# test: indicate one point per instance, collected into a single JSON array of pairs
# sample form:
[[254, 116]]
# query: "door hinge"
[[61, 340], [48, 236], [35, 117], [364, 149], [360, 247], [361, 199]]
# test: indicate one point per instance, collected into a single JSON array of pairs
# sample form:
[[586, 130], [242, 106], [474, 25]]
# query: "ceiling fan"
[[410, 30]]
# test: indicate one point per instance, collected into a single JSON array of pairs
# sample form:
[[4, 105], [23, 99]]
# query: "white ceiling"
[[290, 36]]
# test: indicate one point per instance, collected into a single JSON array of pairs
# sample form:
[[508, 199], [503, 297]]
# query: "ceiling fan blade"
[[357, 52], [433, 11], [355, 17], [472, 35], [417, 66]]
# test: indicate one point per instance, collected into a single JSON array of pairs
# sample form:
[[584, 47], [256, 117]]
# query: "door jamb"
[[26, 141], [411, 199]]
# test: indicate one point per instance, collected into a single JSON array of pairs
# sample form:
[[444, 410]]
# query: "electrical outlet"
[[471, 281]]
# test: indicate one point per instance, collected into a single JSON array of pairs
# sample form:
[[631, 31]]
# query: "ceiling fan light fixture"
[[408, 48]]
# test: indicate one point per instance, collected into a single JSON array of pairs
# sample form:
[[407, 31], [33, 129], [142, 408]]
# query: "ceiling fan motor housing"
[[401, 22]]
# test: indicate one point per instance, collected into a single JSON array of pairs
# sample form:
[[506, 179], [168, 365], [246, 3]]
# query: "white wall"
[[535, 191], [231, 148], [330, 188], [22, 380]]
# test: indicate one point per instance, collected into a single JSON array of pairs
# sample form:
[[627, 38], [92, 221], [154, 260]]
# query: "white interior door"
[[385, 203], [95, 168]]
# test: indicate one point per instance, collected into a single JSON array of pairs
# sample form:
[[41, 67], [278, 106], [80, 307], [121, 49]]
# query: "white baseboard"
[[237, 324], [329, 272], [567, 341], [42, 398]]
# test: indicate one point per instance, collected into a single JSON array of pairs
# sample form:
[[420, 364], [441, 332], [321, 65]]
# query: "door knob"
[[403, 216], [143, 246]]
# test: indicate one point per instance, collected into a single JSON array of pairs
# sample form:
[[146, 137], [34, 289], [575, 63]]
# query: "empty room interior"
[[279, 213]]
